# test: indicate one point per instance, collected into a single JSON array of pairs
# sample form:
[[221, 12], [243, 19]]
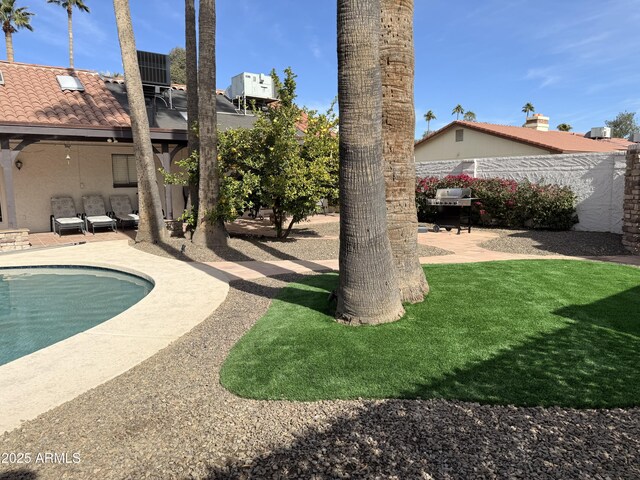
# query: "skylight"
[[70, 83]]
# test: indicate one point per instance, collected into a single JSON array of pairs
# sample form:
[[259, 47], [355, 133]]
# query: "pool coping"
[[40, 381]]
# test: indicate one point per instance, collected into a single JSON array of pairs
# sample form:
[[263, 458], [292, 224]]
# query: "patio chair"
[[65, 215], [123, 211], [95, 215]]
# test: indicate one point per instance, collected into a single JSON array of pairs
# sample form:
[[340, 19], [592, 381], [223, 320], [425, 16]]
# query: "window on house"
[[459, 135], [124, 171]]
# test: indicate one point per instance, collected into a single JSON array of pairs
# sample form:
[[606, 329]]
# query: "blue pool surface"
[[41, 306]]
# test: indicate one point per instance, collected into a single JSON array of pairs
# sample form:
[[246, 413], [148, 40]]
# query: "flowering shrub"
[[505, 203]]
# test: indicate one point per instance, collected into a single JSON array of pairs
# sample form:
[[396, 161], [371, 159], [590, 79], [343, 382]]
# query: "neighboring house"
[[67, 132], [470, 140]]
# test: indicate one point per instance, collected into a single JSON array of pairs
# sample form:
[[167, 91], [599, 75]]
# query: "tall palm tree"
[[210, 231], [428, 117], [13, 19], [68, 6], [397, 63], [191, 48], [151, 227], [368, 290], [469, 116], [527, 109], [565, 127], [458, 110]]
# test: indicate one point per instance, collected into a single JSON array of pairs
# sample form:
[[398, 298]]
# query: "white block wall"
[[596, 178]]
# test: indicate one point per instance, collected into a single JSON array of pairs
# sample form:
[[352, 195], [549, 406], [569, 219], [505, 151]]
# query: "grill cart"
[[451, 203]]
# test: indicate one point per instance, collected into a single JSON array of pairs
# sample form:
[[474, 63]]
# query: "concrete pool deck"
[[38, 382]]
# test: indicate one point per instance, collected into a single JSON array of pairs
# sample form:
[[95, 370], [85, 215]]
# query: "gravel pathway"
[[170, 418], [572, 243], [245, 249]]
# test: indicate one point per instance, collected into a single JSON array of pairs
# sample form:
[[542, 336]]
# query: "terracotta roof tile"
[[31, 94], [554, 140]]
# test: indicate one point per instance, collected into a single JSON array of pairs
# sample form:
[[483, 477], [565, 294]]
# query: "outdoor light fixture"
[[68, 150], [19, 164], [112, 140]]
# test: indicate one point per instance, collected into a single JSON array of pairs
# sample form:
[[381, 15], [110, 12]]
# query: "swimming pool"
[[40, 306]]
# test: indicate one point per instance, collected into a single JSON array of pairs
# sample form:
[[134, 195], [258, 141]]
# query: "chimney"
[[538, 122]]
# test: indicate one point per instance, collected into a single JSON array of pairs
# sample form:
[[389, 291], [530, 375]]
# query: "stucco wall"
[[474, 145], [46, 173], [596, 178]]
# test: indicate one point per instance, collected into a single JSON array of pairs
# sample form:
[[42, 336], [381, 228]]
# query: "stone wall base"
[[14, 239], [631, 225]]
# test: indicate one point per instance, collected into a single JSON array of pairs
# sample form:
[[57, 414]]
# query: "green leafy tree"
[[469, 116], [68, 5], [565, 127], [457, 110], [527, 109], [624, 125], [295, 173], [178, 58], [12, 20], [428, 117], [272, 165]]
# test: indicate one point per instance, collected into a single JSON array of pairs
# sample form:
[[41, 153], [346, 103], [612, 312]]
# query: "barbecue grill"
[[451, 211]]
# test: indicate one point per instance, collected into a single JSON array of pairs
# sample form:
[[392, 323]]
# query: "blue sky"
[[575, 60]]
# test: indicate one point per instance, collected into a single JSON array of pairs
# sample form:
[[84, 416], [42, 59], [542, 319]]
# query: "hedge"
[[506, 203]]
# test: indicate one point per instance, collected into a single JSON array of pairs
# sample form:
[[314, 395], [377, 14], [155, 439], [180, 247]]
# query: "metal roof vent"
[[68, 82], [1, 78]]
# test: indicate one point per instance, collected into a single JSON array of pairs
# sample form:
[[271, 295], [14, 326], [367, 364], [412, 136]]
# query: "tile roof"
[[553, 140], [31, 95]]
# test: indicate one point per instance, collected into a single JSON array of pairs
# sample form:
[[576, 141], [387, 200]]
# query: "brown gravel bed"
[[571, 243], [261, 249], [169, 418]]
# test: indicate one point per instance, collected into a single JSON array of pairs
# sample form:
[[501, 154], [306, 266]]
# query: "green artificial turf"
[[529, 332]]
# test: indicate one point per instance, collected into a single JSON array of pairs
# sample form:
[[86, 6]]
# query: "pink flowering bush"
[[505, 203]]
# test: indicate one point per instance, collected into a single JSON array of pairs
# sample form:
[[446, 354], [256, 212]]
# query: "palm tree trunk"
[[368, 289], [398, 130], [9, 42], [151, 227], [192, 90], [70, 26], [210, 231]]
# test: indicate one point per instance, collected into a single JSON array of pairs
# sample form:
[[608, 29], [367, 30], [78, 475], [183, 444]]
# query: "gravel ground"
[[309, 247], [170, 418], [538, 242]]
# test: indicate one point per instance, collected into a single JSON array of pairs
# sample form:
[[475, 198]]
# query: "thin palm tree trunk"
[[9, 42], [70, 25], [210, 231], [192, 89], [368, 288], [151, 227], [398, 130]]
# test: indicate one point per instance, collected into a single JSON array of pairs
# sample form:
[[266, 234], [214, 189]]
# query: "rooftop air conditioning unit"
[[635, 138], [601, 132]]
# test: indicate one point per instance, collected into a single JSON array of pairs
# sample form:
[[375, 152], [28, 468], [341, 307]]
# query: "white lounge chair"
[[65, 216], [96, 214], [123, 211]]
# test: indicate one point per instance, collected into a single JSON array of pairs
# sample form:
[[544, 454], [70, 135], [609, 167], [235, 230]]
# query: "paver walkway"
[[465, 247]]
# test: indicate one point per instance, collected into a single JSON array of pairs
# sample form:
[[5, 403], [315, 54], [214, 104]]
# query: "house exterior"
[[68, 132], [470, 140]]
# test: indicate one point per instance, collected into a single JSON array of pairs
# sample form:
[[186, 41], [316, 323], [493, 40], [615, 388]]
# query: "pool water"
[[41, 306]]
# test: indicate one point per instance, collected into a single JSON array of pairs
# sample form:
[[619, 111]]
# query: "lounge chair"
[[65, 216], [122, 210], [95, 215]]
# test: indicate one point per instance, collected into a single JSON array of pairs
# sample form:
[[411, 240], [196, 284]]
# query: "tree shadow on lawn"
[[592, 362]]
